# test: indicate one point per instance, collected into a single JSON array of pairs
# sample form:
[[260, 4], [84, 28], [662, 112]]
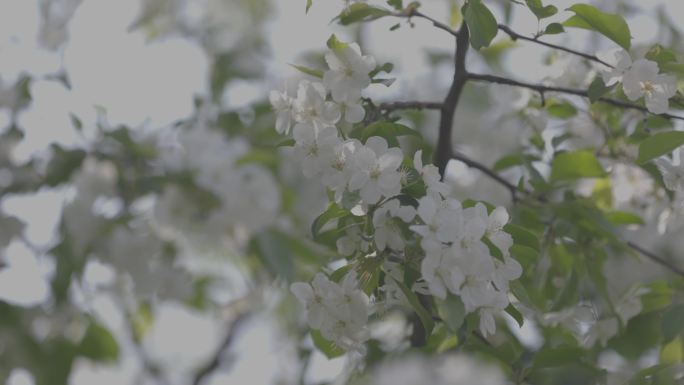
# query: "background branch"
[[572, 91], [515, 36]]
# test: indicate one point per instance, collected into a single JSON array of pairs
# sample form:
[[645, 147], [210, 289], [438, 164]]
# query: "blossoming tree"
[[550, 285]]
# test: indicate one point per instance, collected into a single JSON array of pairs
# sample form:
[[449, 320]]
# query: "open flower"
[[349, 72], [376, 170], [643, 79]]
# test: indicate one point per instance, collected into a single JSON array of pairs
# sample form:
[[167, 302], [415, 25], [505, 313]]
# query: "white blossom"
[[311, 107], [673, 173], [339, 310], [387, 231], [643, 79], [315, 148], [349, 72], [430, 175], [282, 105], [376, 170], [620, 61]]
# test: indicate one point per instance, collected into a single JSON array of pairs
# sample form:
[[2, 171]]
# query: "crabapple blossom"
[[311, 107], [376, 171], [429, 173], [282, 105], [349, 72], [673, 173], [339, 310], [387, 232], [315, 148], [643, 79], [620, 60]]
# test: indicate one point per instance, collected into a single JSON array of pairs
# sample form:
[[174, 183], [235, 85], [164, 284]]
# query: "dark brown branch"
[[215, 362], [571, 91], [444, 150], [388, 107], [487, 171], [515, 36]]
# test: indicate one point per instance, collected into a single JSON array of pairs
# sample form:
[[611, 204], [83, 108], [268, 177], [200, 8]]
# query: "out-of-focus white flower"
[[315, 148], [338, 310], [282, 104], [673, 173], [441, 370]]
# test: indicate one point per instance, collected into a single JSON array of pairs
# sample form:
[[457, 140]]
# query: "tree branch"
[[215, 362], [438, 24], [515, 36], [487, 171], [444, 151], [512, 188], [572, 91], [389, 107], [657, 259]]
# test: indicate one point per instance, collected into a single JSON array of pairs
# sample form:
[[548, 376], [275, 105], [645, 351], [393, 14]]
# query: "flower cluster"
[[339, 311], [369, 176], [458, 260], [641, 78]]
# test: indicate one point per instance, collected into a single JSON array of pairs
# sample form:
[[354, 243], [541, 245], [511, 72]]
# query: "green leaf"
[[659, 144], [561, 110], [673, 322], [522, 236], [98, 344], [517, 316], [597, 89], [575, 165], [397, 4], [335, 44], [624, 218], [610, 25], [309, 71], [388, 130], [552, 357], [481, 23], [554, 29], [452, 312], [512, 160], [540, 10], [326, 347], [423, 314], [332, 212], [309, 3], [359, 12], [387, 68], [661, 55]]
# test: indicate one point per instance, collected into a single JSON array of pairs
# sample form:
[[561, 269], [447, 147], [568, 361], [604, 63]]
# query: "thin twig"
[[572, 91], [436, 23], [655, 258], [515, 36], [388, 107], [487, 171], [215, 362]]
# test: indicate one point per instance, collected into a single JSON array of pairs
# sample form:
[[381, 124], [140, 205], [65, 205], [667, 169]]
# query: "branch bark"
[[444, 150], [542, 89], [411, 105]]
